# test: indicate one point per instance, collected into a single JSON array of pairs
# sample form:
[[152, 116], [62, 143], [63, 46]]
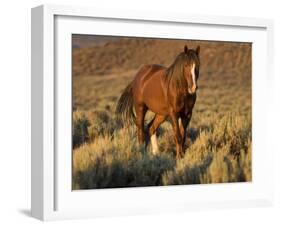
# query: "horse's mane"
[[175, 73]]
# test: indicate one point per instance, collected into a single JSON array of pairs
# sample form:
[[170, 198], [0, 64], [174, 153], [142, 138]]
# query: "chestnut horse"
[[168, 92]]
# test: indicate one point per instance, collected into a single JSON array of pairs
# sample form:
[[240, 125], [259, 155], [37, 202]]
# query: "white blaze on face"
[[154, 144], [193, 75]]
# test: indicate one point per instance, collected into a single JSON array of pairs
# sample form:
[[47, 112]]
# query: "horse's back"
[[146, 72], [153, 68], [149, 70]]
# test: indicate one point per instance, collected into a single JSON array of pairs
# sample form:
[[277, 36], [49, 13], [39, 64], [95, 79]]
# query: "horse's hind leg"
[[140, 114], [152, 127]]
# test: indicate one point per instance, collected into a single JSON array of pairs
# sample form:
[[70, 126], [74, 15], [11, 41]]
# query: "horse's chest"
[[186, 104]]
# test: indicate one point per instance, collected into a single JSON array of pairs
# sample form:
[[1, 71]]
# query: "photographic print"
[[157, 112]]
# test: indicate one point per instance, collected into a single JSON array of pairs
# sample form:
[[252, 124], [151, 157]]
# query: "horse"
[[169, 92]]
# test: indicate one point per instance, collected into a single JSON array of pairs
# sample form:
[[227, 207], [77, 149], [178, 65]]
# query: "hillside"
[[122, 54]]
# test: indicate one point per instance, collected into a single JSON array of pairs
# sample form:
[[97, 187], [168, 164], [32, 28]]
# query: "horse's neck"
[[172, 94], [179, 92]]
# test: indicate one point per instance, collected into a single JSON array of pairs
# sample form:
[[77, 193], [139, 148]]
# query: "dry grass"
[[218, 147], [221, 154]]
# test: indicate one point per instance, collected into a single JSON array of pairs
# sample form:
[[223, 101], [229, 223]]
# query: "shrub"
[[80, 129], [220, 154], [108, 163], [102, 123]]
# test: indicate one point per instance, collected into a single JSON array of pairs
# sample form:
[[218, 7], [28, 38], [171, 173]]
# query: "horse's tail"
[[125, 106]]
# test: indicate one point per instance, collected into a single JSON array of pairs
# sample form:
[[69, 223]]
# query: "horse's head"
[[191, 68], [184, 72]]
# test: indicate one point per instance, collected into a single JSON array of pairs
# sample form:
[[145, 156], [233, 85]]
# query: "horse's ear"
[[198, 50], [185, 49]]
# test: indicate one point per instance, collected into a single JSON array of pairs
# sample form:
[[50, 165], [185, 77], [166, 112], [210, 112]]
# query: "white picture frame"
[[52, 198]]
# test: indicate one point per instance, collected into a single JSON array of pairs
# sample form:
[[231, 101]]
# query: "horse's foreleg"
[[152, 127], [183, 124], [140, 114], [177, 134]]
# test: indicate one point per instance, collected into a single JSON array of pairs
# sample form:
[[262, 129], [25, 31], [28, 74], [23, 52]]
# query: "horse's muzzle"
[[192, 90]]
